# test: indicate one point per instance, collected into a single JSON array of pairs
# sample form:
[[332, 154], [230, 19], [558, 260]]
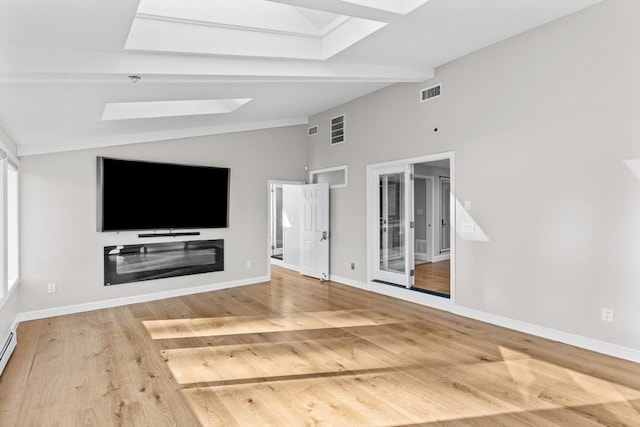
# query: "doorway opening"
[[299, 227], [276, 222], [432, 215], [282, 230], [410, 215]]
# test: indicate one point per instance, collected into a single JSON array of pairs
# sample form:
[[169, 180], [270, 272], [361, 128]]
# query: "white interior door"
[[395, 240], [314, 232]]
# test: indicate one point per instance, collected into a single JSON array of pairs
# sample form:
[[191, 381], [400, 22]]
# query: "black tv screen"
[[137, 195]]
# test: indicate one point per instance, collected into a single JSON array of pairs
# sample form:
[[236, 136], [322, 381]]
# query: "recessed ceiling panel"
[[401, 7], [251, 28]]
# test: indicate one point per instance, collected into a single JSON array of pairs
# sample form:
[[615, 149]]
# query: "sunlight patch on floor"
[[233, 325], [259, 362]]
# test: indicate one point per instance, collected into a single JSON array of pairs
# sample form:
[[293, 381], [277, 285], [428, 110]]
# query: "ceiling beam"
[[65, 65]]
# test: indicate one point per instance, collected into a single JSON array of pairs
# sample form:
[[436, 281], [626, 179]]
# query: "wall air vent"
[[337, 130], [312, 130], [431, 92]]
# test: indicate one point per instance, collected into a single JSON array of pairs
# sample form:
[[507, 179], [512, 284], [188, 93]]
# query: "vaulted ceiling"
[[213, 66]]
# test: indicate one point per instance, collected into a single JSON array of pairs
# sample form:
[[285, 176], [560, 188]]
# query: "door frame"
[[373, 224], [273, 215], [406, 277], [270, 216], [441, 181]]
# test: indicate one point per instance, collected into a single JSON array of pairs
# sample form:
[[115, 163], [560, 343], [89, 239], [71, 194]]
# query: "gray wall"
[[541, 125], [58, 196]]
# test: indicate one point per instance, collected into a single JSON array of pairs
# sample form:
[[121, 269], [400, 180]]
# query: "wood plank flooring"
[[434, 276], [295, 351]]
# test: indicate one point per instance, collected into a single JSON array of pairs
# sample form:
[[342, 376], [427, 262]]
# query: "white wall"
[[541, 125], [59, 239]]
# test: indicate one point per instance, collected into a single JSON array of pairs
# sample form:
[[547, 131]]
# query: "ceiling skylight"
[[145, 110], [401, 7], [254, 28]]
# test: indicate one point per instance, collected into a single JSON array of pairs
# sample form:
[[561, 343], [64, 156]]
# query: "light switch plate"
[[467, 227]]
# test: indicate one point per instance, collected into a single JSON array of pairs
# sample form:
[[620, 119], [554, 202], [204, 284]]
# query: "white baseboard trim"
[[349, 282], [444, 304], [598, 346], [117, 302], [404, 294], [279, 263]]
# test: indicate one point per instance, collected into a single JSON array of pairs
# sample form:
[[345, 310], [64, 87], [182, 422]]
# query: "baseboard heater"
[[7, 348]]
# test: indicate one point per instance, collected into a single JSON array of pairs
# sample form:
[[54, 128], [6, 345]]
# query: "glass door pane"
[[394, 248], [392, 224]]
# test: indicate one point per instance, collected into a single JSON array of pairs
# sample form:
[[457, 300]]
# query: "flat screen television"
[[138, 195]]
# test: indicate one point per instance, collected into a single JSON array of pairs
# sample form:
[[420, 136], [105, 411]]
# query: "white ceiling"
[[62, 61]]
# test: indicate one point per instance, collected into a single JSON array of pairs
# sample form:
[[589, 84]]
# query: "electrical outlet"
[[353, 265], [51, 288], [249, 264], [607, 314]]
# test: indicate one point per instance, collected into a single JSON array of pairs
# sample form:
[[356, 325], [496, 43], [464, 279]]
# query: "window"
[[13, 248], [9, 231], [335, 177]]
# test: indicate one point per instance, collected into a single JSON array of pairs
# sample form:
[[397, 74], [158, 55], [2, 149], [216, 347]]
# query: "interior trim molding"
[[133, 138], [117, 302], [427, 300], [279, 263], [580, 341], [348, 282], [444, 304]]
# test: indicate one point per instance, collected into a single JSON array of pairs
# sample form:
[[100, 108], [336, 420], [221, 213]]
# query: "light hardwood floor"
[[295, 351], [434, 276]]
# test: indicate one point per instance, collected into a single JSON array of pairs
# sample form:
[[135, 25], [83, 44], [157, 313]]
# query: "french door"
[[394, 258]]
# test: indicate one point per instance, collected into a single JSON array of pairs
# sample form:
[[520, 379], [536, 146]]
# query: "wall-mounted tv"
[[138, 195]]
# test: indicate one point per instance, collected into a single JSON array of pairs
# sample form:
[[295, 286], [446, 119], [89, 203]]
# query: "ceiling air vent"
[[337, 130], [312, 130], [431, 92]]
